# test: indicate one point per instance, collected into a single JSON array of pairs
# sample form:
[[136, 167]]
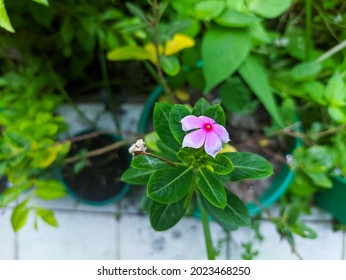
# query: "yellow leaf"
[[178, 43], [44, 158], [127, 53], [228, 149], [182, 95], [151, 52], [264, 142]]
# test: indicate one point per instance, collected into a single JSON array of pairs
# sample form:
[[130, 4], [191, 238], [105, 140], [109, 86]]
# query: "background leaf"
[[216, 113], [268, 8], [223, 51], [253, 72], [177, 113], [50, 189], [4, 19], [136, 176]]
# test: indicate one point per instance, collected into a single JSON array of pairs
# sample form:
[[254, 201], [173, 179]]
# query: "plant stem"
[[308, 27], [332, 51], [206, 229], [161, 158], [155, 25], [105, 78]]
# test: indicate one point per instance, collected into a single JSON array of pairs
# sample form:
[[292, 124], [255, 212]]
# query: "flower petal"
[[194, 139], [191, 122], [213, 144], [206, 119], [221, 132]]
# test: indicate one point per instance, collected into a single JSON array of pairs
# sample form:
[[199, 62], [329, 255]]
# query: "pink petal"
[[213, 144], [191, 122], [221, 132], [207, 119], [194, 139]]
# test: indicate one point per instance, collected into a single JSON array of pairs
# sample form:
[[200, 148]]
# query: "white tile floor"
[[121, 231]]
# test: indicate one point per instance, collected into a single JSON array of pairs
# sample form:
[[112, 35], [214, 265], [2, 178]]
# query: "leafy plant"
[[187, 167]]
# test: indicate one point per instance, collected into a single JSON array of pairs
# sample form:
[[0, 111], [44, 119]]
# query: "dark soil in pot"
[[99, 181], [3, 184]]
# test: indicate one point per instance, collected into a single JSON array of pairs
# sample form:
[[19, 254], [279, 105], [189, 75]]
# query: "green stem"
[[206, 230], [105, 78], [308, 28]]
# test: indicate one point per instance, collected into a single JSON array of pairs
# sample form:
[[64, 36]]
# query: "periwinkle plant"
[[187, 164]]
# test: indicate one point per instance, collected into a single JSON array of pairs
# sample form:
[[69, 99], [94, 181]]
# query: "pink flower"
[[206, 132]]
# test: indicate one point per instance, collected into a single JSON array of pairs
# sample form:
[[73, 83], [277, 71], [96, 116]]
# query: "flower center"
[[208, 127]]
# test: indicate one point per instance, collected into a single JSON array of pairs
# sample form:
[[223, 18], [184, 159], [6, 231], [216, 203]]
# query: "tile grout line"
[[16, 247], [343, 257]]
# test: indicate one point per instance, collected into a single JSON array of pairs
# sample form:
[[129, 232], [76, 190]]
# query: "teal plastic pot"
[[333, 200], [281, 180], [84, 191]]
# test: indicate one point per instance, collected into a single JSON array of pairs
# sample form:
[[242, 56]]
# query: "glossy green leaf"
[[177, 113], [170, 185], [185, 156], [161, 124], [248, 166], [165, 216], [216, 113], [223, 51], [47, 216], [136, 176], [208, 9], [222, 165], [234, 215], [200, 107], [304, 231], [233, 18], [211, 188], [170, 65], [20, 216], [4, 19], [128, 53], [254, 74], [306, 71], [146, 162], [268, 8], [50, 189], [335, 92]]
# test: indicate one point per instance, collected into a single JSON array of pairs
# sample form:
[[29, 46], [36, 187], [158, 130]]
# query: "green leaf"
[[47, 216], [248, 166], [222, 165], [315, 91], [253, 72], [200, 107], [306, 71], [50, 189], [223, 51], [4, 19], [19, 216], [335, 92], [136, 176], [136, 11], [216, 113], [11, 194], [42, 2], [128, 53], [236, 97], [177, 113], [304, 231], [170, 65], [170, 185], [268, 8], [209, 9], [185, 156], [161, 124], [146, 162], [337, 114], [165, 216], [233, 18], [212, 189], [234, 215]]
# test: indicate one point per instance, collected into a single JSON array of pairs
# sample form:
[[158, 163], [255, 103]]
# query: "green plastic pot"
[[333, 200], [124, 188], [281, 180]]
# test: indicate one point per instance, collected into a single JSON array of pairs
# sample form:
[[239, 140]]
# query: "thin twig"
[[332, 51]]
